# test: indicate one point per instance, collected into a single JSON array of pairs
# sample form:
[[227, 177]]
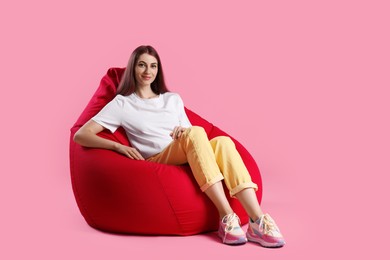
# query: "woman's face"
[[146, 70]]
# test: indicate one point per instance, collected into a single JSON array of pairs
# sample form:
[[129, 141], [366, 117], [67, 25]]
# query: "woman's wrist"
[[116, 146]]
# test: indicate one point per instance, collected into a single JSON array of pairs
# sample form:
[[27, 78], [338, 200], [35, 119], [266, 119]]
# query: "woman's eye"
[[141, 65]]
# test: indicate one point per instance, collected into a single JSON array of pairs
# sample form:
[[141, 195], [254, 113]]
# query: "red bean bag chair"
[[117, 194]]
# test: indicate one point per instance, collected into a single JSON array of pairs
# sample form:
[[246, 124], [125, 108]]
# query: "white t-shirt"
[[147, 122]]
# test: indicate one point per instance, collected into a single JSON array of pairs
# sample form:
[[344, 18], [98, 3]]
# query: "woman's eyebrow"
[[153, 63]]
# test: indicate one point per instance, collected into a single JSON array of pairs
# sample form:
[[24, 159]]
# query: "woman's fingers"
[[181, 130], [132, 153], [137, 155], [177, 131]]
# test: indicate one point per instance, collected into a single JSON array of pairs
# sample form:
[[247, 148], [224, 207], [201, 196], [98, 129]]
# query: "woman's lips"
[[146, 77]]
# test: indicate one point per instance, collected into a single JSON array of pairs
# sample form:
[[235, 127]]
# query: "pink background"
[[304, 85]]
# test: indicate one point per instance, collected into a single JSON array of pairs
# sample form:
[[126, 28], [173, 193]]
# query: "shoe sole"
[[233, 242], [263, 243]]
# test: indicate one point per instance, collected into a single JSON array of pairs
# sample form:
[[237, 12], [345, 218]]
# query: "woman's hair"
[[127, 84]]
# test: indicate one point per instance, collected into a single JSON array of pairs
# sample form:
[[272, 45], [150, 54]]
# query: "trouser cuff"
[[211, 182], [243, 186]]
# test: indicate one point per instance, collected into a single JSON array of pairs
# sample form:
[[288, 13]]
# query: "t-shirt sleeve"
[[184, 121], [110, 116]]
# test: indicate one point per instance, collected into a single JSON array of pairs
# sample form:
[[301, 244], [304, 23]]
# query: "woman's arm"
[[87, 136]]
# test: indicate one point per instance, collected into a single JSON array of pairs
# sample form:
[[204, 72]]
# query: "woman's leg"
[[248, 200], [217, 195], [207, 159], [262, 228]]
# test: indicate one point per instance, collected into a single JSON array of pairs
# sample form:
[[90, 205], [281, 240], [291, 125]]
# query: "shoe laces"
[[230, 221], [267, 224]]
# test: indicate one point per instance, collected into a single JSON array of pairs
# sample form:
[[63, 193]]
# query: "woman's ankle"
[[225, 213]]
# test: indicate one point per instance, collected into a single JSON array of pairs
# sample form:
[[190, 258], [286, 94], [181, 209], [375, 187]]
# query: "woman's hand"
[[177, 131], [128, 151]]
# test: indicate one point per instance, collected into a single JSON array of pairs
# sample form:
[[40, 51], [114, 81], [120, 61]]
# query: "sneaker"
[[230, 230], [265, 232]]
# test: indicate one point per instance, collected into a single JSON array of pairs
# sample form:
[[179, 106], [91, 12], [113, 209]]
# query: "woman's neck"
[[145, 92]]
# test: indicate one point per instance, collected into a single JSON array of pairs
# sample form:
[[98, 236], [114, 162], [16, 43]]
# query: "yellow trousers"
[[210, 160]]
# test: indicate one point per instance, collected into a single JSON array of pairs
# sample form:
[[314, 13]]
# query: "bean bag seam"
[[170, 204]]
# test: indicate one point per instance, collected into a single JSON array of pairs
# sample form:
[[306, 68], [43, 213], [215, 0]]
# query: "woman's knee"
[[223, 140], [196, 131]]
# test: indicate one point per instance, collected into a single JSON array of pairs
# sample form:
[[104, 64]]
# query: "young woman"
[[159, 131]]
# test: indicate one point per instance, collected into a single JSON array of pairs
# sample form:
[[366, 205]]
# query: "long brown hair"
[[127, 85]]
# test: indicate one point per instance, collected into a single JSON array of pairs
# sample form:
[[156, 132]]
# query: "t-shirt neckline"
[[147, 100]]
